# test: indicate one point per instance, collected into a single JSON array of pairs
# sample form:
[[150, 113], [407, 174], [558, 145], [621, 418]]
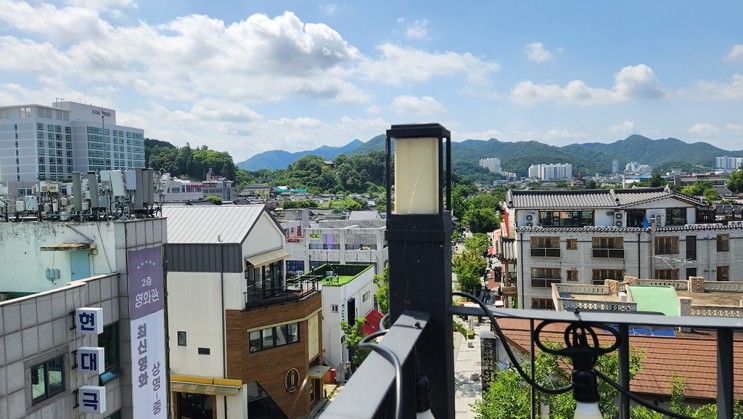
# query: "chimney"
[[696, 284]]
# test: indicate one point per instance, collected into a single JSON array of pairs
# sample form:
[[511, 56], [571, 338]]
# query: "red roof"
[[689, 355], [371, 324]]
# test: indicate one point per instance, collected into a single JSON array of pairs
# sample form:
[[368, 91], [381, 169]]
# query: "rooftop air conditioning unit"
[[529, 224], [618, 215], [618, 223], [529, 217]]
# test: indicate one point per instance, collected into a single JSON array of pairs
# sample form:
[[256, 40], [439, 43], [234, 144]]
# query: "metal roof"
[[213, 224], [600, 198]]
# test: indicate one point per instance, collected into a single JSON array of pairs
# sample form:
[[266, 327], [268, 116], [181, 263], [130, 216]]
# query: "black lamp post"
[[419, 228]]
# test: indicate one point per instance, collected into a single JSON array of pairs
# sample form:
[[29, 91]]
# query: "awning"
[[371, 324], [205, 385], [317, 371], [267, 257], [61, 247]]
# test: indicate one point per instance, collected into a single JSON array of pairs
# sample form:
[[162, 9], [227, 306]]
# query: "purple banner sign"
[[145, 282]]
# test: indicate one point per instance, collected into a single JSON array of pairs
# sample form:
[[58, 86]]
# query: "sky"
[[251, 76]]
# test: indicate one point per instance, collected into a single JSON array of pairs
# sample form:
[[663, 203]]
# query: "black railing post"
[[725, 394], [532, 362], [624, 376]]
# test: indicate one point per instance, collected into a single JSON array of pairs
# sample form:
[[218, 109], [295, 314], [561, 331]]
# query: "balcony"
[[550, 252], [610, 253], [374, 389], [294, 290], [544, 282]]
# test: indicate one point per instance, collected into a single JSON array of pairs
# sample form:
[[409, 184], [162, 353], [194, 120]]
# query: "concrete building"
[[559, 171], [244, 341], [728, 164], [615, 166], [492, 164], [347, 293], [637, 168], [585, 237], [112, 271], [50, 142]]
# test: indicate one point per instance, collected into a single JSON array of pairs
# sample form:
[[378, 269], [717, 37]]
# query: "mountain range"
[[586, 158]]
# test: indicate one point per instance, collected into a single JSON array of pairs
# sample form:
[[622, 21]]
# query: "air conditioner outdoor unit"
[[618, 224], [529, 217], [618, 215], [609, 213], [529, 224]]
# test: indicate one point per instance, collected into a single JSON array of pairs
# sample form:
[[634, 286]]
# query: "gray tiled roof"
[[590, 198], [202, 224]]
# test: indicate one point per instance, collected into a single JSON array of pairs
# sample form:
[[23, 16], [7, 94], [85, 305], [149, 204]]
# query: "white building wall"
[[264, 236]]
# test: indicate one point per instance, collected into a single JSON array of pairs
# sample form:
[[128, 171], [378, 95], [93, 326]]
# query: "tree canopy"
[[735, 181]]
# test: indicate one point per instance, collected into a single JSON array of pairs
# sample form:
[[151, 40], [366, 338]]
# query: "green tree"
[[656, 180], [735, 181], [214, 199], [382, 294], [508, 395], [481, 220], [477, 242], [469, 267], [354, 333]]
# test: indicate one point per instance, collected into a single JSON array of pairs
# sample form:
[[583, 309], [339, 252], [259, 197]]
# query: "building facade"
[[244, 341], [728, 163], [585, 237], [492, 164], [559, 171], [70, 289], [50, 142]]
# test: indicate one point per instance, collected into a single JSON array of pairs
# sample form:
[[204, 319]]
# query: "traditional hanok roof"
[[591, 198]]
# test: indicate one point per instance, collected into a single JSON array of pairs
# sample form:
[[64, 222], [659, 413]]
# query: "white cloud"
[[329, 9], [413, 105], [537, 53], [703, 129], [626, 127], [66, 24], [629, 83], [418, 29], [477, 135], [374, 110], [735, 54], [734, 127], [400, 65], [718, 91]]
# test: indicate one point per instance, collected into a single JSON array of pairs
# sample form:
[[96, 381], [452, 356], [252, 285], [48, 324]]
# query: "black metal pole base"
[[420, 279]]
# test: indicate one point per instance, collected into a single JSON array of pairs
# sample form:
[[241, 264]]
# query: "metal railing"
[[550, 252], [293, 291], [608, 253], [371, 392]]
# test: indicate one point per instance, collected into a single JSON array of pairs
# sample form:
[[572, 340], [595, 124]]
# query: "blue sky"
[[249, 76]]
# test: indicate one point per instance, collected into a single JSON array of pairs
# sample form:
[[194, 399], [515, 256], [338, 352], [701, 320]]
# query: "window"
[[545, 246], [571, 244], [691, 272], [691, 247], [334, 308], [675, 216], [181, 338], [47, 379], [25, 112], [667, 274], [565, 218], [542, 304], [723, 242], [723, 273], [544, 277], [608, 247], [204, 351], [599, 275], [572, 275], [109, 340], [666, 245], [273, 337]]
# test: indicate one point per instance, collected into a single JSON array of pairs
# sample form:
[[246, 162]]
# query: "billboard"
[[147, 332]]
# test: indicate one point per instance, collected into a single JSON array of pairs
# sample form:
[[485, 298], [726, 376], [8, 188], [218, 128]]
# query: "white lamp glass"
[[417, 175], [587, 411]]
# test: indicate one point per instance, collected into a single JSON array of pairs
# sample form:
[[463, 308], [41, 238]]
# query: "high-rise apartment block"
[[40, 142], [728, 163], [551, 171], [492, 164]]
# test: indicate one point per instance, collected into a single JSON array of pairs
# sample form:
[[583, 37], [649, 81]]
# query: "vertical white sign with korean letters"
[[89, 320], [92, 399], [147, 325], [91, 360]]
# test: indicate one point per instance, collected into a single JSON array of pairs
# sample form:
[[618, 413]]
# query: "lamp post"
[[419, 228]]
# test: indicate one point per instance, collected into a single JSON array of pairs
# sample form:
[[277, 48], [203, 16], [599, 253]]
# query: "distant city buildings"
[[492, 164], [728, 163], [182, 190], [615, 166], [559, 171], [40, 142], [637, 168]]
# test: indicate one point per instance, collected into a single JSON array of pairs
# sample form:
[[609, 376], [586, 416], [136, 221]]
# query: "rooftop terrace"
[[336, 275]]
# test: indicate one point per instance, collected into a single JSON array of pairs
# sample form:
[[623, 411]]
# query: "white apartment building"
[[492, 164], [40, 142], [728, 163], [559, 171], [635, 167], [585, 237]]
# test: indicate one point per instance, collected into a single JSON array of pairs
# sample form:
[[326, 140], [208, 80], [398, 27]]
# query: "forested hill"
[[586, 158]]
